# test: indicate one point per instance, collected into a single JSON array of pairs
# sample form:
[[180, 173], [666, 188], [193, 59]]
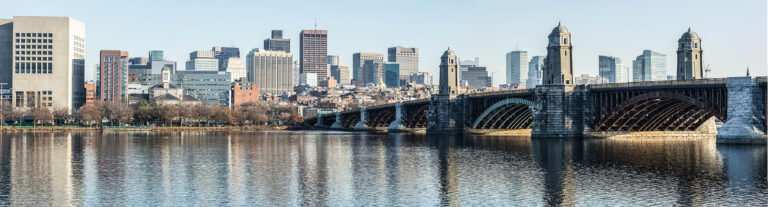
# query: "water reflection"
[[356, 169]]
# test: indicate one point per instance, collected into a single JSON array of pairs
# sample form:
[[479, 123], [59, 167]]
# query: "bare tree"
[[220, 114], [61, 115], [89, 114], [185, 113], [200, 113], [169, 113], [41, 115]]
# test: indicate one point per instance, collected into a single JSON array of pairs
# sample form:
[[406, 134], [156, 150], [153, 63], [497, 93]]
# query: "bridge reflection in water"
[[354, 169]]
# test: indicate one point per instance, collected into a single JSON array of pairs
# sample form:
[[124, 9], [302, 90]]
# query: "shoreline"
[[147, 129]]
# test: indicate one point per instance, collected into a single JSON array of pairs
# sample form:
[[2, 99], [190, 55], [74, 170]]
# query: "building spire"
[[747, 71], [559, 22]]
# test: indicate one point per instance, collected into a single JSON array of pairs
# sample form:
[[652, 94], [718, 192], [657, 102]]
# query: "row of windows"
[[34, 41], [34, 34], [34, 58], [34, 68], [34, 46], [34, 52]]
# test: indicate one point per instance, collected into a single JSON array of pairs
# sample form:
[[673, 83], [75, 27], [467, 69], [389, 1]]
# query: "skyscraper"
[[43, 60], [339, 72], [202, 60], [113, 67], [650, 66], [517, 68], [407, 57], [370, 72], [535, 72], [277, 43], [558, 65], [223, 54], [392, 74], [464, 65], [449, 79], [272, 71], [314, 53], [611, 69], [689, 56], [358, 72]]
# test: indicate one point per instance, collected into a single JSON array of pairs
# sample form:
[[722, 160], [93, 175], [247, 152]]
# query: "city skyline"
[[620, 29]]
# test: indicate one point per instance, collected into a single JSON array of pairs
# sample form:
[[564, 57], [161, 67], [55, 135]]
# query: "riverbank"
[[121, 129]]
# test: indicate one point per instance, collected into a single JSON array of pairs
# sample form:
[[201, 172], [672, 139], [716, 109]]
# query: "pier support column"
[[338, 124], [398, 125], [444, 114], [745, 107], [363, 123], [320, 121], [559, 111]]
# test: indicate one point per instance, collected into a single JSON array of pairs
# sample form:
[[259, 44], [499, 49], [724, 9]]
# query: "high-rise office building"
[[314, 53], [423, 78], [535, 72], [517, 68], [558, 65], [202, 60], [43, 60], [689, 57], [407, 57], [476, 77], [235, 67], [650, 66], [156, 55], [339, 72], [449, 79], [464, 65], [113, 67], [296, 73], [359, 74], [392, 74], [223, 54], [612, 69], [272, 71], [277, 43], [370, 72]]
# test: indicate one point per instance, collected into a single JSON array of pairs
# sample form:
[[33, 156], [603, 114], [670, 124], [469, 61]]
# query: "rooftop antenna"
[[517, 47], [315, 23]]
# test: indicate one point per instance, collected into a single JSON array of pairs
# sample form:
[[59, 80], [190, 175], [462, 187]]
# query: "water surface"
[[362, 169]]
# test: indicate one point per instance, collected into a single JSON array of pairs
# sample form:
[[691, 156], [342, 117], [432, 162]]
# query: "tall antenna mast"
[[315, 23]]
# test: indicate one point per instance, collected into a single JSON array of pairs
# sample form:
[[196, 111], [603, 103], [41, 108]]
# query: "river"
[[314, 168]]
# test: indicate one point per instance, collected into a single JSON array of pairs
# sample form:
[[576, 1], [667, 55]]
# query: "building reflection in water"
[[358, 169]]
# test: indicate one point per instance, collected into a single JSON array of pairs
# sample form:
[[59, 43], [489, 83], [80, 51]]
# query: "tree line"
[[143, 114]]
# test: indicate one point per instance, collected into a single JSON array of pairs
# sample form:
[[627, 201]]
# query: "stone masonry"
[[744, 110]]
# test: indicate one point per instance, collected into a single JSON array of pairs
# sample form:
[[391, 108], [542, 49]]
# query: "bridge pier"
[[445, 114], [744, 111], [398, 125], [319, 122], [338, 124], [363, 123], [559, 111]]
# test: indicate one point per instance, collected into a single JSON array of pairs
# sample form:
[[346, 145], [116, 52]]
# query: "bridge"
[[599, 110]]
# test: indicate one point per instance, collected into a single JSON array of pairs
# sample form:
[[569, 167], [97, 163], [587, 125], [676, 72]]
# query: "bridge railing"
[[504, 92], [707, 81]]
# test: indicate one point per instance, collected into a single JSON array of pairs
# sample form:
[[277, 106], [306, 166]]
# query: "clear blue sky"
[[733, 32]]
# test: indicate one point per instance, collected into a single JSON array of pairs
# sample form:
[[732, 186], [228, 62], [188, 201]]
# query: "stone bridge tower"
[[689, 55], [558, 65], [445, 112]]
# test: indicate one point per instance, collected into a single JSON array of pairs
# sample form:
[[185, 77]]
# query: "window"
[[565, 41]]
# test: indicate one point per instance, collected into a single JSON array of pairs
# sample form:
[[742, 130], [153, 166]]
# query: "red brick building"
[[90, 93], [243, 92], [113, 72]]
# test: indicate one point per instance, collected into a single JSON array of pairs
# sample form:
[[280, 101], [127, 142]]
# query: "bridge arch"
[[418, 119], [512, 113], [351, 120], [382, 118], [658, 111]]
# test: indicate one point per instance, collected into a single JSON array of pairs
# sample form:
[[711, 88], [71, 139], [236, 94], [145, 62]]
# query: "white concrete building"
[[43, 60]]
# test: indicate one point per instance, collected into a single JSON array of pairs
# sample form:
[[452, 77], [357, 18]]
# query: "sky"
[[733, 32]]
